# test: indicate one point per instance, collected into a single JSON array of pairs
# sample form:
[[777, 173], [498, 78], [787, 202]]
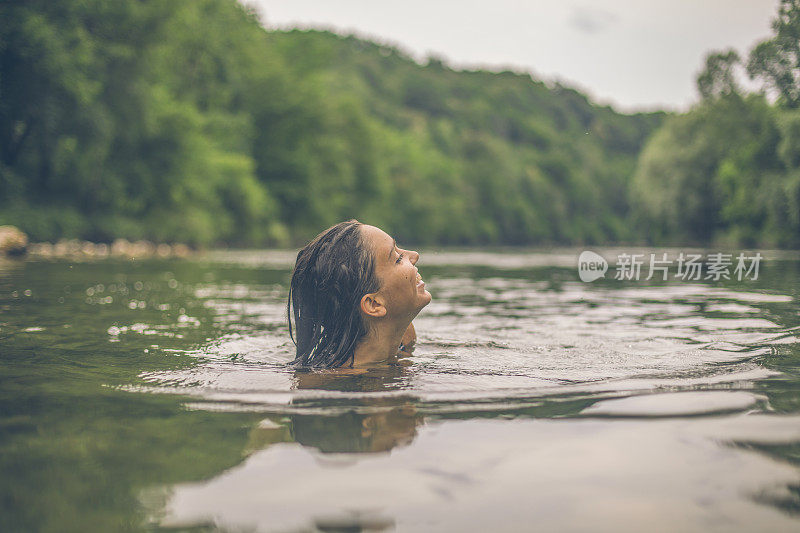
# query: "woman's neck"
[[380, 344]]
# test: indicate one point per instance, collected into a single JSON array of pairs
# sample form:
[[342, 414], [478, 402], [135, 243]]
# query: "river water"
[[155, 395]]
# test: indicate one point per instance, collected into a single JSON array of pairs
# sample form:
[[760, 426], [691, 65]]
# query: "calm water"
[[154, 395]]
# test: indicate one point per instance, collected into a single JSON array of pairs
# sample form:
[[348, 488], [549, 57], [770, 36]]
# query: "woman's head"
[[345, 281]]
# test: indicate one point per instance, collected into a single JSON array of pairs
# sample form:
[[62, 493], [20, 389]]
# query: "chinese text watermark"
[[686, 266]]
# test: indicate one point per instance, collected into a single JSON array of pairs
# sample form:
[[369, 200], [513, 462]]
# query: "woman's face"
[[402, 287]]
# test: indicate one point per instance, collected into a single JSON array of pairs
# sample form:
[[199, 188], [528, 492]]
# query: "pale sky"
[[632, 54]]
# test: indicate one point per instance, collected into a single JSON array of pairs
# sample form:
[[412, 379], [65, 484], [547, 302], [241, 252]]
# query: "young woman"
[[352, 298]]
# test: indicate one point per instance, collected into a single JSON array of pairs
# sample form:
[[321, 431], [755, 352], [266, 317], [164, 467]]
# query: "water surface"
[[155, 395]]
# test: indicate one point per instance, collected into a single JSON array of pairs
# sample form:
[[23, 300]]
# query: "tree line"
[[728, 171], [187, 121]]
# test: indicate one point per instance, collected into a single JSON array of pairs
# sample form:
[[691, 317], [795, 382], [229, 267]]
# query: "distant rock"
[[12, 241]]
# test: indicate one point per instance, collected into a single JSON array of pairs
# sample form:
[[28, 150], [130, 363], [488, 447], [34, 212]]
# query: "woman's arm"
[[409, 340]]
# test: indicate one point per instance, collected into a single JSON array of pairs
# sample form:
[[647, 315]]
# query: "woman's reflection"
[[351, 425]]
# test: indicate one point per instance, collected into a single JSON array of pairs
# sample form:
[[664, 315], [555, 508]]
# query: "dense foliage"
[[184, 120], [728, 171], [124, 119]]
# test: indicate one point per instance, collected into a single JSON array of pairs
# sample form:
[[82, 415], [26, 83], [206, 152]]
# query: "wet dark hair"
[[330, 276]]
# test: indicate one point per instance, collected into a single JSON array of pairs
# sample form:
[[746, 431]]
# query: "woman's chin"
[[425, 296]]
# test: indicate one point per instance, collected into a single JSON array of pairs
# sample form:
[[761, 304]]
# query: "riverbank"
[[14, 243], [119, 248]]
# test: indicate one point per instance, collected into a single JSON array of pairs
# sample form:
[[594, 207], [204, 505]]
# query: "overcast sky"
[[633, 54]]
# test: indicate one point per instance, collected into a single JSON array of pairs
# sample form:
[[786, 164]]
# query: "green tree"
[[187, 120], [719, 76], [700, 176], [776, 61]]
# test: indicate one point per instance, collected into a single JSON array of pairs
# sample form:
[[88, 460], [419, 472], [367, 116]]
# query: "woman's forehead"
[[376, 235], [378, 239]]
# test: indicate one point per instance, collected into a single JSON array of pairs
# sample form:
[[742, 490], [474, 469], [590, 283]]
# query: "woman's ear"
[[372, 305]]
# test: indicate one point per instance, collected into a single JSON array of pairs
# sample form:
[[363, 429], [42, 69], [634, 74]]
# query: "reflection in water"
[[492, 475], [368, 425], [532, 398], [365, 426], [349, 432], [560, 403], [371, 425]]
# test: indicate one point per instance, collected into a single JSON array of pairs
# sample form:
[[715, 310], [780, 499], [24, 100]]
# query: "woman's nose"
[[414, 257]]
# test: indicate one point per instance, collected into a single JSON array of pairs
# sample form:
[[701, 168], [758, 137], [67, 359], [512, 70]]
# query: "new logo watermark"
[[591, 266], [686, 266]]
